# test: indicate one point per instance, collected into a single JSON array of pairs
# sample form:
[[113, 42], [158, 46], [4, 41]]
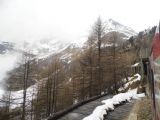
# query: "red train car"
[[155, 69]]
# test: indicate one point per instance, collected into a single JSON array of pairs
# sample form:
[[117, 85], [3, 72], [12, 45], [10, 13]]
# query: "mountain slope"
[[45, 48], [112, 25]]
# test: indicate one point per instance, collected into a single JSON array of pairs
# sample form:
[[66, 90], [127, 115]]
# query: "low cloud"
[[69, 20], [7, 62]]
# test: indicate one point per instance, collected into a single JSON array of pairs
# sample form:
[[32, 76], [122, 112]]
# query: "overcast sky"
[[70, 19]]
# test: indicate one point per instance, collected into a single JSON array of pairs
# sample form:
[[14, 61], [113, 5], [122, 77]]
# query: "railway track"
[[84, 111], [121, 112]]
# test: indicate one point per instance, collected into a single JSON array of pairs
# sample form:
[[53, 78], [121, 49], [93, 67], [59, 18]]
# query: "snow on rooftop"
[[100, 111], [135, 65]]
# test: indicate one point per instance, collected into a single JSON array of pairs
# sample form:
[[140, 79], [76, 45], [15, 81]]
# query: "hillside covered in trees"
[[51, 84]]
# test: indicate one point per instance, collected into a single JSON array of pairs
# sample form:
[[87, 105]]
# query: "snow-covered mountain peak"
[[112, 25], [113, 22]]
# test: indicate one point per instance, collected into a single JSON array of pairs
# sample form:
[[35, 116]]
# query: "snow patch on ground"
[[131, 80], [100, 111], [138, 78]]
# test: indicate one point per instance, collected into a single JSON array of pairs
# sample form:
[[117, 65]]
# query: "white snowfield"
[[17, 96], [31, 94], [100, 111]]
